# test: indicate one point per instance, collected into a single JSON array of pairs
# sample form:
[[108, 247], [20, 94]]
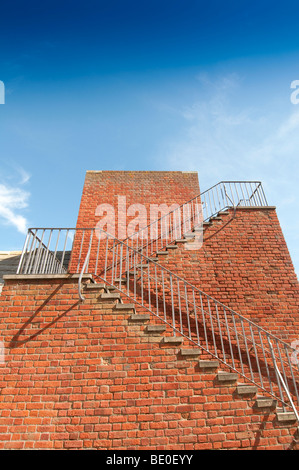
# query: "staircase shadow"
[[219, 230], [16, 341]]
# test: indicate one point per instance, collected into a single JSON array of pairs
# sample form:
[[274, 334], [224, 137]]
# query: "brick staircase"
[[191, 385], [186, 351], [208, 378], [148, 275], [211, 228], [105, 374]]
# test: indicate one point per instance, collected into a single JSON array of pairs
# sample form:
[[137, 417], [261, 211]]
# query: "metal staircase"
[[128, 266]]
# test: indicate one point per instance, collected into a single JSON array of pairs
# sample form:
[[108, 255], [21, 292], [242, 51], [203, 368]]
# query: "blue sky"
[[160, 85]]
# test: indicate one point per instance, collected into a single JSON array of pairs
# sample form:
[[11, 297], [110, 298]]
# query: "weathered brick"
[[81, 376]]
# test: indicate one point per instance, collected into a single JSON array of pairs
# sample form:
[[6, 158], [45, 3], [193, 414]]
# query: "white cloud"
[[224, 139], [290, 125], [25, 176], [12, 200]]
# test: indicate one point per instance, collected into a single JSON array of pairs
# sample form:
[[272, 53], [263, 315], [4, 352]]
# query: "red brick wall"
[[139, 187], [83, 376], [245, 263]]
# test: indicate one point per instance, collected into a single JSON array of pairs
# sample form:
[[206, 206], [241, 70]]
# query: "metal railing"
[[190, 216], [234, 340], [44, 254], [281, 380], [37, 255]]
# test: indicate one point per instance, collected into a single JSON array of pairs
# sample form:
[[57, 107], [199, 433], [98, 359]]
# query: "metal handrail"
[[190, 312], [86, 261], [215, 199], [233, 339], [283, 383], [200, 208], [39, 256], [221, 329]]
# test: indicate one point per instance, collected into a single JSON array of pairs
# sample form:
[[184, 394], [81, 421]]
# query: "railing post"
[[82, 298], [23, 253]]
